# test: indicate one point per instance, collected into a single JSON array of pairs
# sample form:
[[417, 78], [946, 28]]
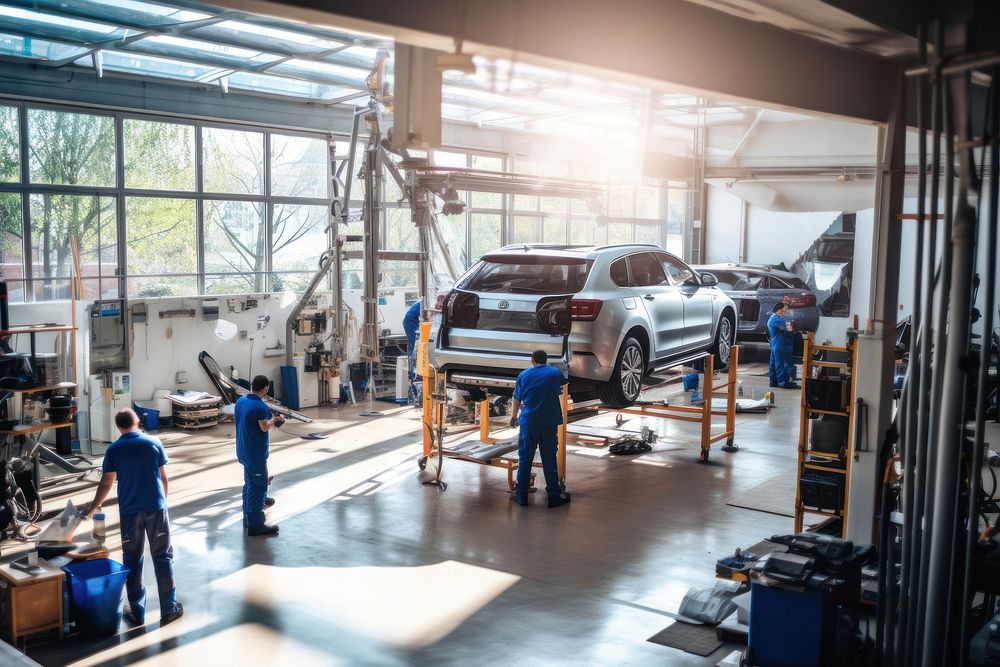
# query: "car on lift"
[[608, 316], [755, 289]]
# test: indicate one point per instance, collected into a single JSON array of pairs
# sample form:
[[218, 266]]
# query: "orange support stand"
[[427, 388], [703, 414]]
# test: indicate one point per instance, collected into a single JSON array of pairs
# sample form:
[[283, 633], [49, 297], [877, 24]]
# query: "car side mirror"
[[708, 280]]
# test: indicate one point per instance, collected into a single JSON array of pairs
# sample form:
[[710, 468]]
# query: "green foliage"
[[10, 166], [158, 156]]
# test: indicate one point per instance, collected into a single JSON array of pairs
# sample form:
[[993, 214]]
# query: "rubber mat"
[[775, 496], [697, 639]]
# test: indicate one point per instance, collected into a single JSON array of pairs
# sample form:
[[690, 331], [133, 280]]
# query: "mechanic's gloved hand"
[[513, 422], [279, 421]]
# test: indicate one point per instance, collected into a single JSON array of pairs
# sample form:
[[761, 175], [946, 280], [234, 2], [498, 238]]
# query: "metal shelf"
[[38, 390], [25, 429], [57, 328]]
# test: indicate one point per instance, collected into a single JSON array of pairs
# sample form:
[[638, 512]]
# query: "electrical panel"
[[106, 324], [138, 313]]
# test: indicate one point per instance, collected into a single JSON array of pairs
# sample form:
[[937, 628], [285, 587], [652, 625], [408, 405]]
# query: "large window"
[[158, 156], [235, 247], [298, 165], [71, 148], [162, 240], [12, 244], [91, 219], [10, 151], [153, 215], [298, 235], [234, 161]]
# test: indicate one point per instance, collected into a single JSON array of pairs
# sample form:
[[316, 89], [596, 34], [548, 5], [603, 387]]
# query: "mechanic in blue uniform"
[[253, 421], [536, 408], [411, 327], [137, 461], [781, 370]]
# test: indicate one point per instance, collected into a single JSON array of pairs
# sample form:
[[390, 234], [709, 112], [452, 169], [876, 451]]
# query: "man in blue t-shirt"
[[137, 461], [253, 421], [538, 410]]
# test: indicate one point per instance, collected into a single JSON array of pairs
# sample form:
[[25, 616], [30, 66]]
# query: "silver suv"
[[607, 315]]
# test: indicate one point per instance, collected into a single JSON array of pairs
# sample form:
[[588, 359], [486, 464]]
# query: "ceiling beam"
[[658, 43]]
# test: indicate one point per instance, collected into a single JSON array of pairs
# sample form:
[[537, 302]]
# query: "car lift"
[[697, 415], [488, 450]]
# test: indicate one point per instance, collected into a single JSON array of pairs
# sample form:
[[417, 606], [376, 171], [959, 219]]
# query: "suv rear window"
[[534, 278]]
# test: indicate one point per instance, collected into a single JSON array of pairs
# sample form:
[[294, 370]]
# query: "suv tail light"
[[461, 309], [585, 309], [439, 304], [801, 300]]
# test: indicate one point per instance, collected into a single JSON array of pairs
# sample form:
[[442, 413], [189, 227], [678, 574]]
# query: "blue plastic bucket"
[[96, 594], [690, 381]]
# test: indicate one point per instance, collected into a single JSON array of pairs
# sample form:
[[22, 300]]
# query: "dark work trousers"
[[135, 529], [546, 440], [254, 491]]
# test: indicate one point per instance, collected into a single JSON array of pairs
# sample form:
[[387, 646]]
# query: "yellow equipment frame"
[[699, 414], [434, 414], [809, 346]]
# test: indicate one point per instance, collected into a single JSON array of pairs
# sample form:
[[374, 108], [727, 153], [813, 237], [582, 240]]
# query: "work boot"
[[178, 612], [268, 501], [263, 531], [561, 499], [791, 385], [518, 497], [130, 617]]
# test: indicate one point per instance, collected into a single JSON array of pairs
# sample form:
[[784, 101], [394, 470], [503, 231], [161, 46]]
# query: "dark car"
[[755, 290]]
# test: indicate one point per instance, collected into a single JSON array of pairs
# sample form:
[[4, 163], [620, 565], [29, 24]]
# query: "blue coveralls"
[[411, 327], [252, 446], [136, 459], [781, 370], [538, 389]]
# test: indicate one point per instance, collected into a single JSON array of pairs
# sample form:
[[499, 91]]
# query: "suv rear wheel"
[[625, 384]]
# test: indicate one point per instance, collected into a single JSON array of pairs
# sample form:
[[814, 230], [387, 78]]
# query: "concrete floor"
[[371, 567]]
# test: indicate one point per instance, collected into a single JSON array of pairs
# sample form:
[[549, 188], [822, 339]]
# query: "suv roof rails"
[[628, 245]]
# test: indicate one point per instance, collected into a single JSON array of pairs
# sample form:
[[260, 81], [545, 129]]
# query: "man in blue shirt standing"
[[538, 411], [138, 462], [781, 370], [253, 421]]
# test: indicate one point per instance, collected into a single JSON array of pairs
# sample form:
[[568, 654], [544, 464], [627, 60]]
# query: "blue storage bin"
[[149, 417], [96, 595]]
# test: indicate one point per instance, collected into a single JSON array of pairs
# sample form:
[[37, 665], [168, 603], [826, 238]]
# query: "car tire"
[[623, 388], [725, 335]]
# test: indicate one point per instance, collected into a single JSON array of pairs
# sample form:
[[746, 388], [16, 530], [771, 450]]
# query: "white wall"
[[722, 236], [163, 346]]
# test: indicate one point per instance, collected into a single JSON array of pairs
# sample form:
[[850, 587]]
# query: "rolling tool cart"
[[804, 603]]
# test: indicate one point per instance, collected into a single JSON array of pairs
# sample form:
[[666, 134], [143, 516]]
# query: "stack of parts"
[[195, 410]]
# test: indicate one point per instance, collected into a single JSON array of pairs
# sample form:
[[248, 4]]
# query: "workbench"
[[30, 604]]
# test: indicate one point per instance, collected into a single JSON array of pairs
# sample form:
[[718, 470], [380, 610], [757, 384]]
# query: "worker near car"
[[411, 327], [538, 412], [253, 422], [781, 369], [138, 463]]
